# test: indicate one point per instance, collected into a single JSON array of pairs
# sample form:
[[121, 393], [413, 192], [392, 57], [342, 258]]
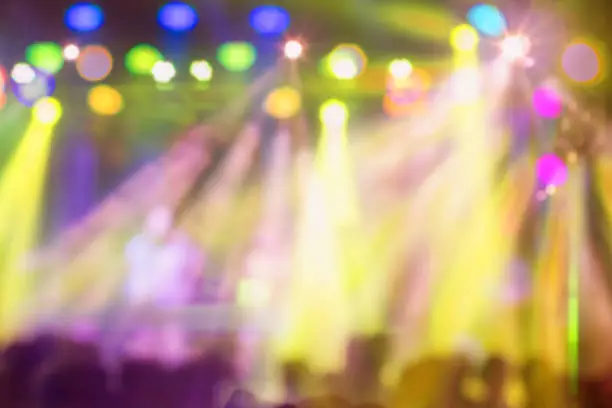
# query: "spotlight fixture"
[[515, 49], [293, 49]]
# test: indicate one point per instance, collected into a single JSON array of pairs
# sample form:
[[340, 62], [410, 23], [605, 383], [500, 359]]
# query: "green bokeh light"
[[45, 56], [237, 56], [141, 59]]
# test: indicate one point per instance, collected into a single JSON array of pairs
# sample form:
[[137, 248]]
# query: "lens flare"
[[515, 48], [293, 49]]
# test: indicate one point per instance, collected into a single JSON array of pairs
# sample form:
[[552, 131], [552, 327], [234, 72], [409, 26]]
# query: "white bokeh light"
[[71, 52], [163, 72], [293, 49], [515, 48], [23, 73]]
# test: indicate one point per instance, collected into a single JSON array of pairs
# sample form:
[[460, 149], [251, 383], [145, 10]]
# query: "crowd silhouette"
[[53, 372]]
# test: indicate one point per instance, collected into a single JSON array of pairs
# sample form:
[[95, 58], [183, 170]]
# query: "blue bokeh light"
[[177, 17], [487, 19], [269, 20], [84, 17]]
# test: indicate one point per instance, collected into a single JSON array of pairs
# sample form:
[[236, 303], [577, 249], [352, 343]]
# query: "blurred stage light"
[[84, 17], [94, 63], [582, 62], [333, 113], [71, 52], [283, 103], [515, 48], [3, 81], [178, 17], [163, 72], [269, 20], [43, 85], [47, 111], [412, 90], [237, 56], [46, 56], [201, 70], [141, 59], [3, 78], [346, 61], [487, 19], [400, 69], [293, 49], [547, 103], [464, 38], [551, 171], [23, 73], [105, 100]]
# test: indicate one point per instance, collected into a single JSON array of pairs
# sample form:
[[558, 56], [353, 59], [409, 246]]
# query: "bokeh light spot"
[[487, 19], [400, 69], [71, 52], [346, 61], [404, 91], [237, 56], [141, 59], [515, 48], [551, 171], [47, 111], [177, 17], [47, 57], [105, 100], [464, 38], [41, 86], [333, 113], [269, 20], [283, 103], [201, 70], [95, 63], [84, 17], [293, 49], [163, 72], [23, 73], [582, 62], [547, 103]]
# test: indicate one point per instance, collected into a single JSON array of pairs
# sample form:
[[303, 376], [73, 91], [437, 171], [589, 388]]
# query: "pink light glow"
[[547, 103], [551, 170]]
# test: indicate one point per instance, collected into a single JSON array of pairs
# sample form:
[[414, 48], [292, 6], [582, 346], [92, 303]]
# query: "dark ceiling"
[[323, 23]]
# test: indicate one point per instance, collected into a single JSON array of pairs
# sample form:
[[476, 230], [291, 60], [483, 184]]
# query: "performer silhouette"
[[162, 266]]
